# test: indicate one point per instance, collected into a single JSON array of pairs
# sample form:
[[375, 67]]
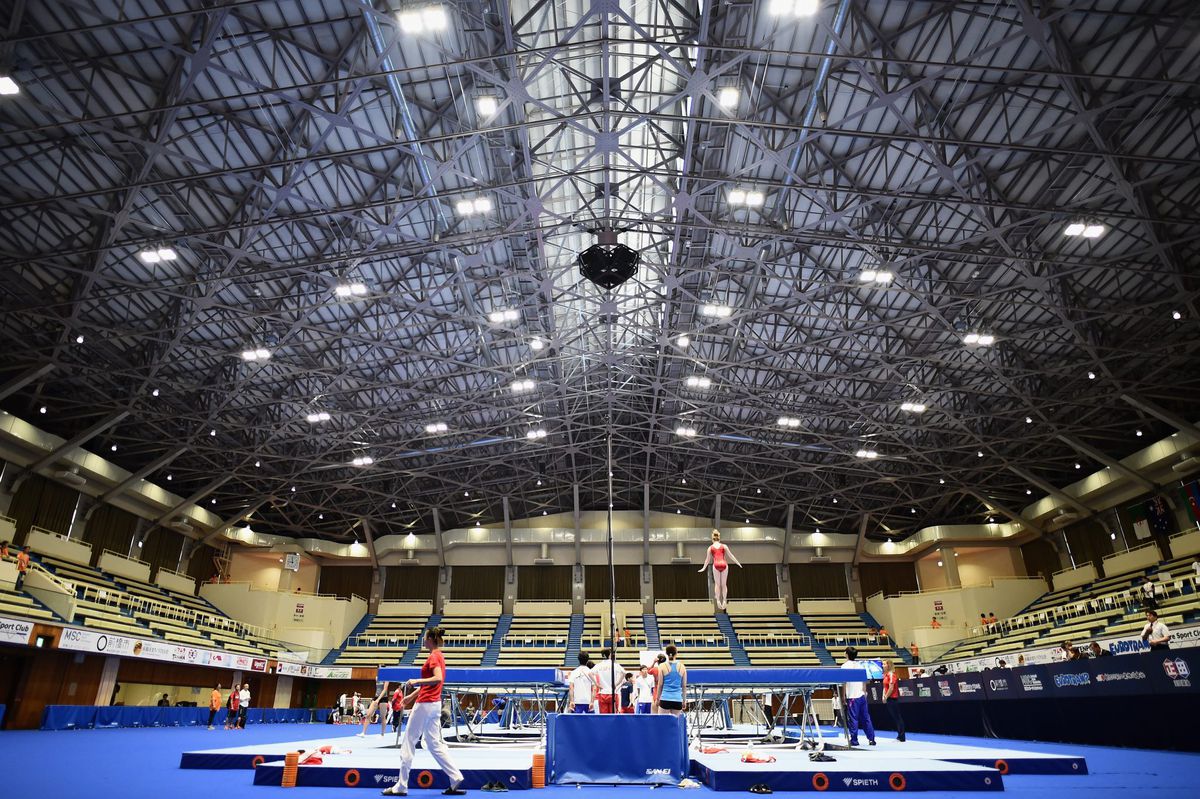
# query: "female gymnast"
[[425, 719], [716, 555]]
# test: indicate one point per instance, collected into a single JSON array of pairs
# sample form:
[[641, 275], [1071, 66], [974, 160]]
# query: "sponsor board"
[[872, 783], [152, 649], [1182, 637], [13, 631], [1178, 672]]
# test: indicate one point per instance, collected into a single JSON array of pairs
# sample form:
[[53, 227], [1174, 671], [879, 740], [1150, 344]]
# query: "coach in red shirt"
[[891, 698]]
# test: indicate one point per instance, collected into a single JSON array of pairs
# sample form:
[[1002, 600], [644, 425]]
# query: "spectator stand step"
[[822, 653], [736, 650], [492, 653]]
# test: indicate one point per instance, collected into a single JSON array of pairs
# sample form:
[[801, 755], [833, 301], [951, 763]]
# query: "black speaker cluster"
[[608, 266]]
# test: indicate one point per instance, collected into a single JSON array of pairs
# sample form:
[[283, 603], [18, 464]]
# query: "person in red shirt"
[[891, 698], [397, 708], [425, 719], [22, 566], [235, 703]]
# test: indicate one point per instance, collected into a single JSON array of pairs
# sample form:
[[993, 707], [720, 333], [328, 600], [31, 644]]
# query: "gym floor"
[[145, 763]]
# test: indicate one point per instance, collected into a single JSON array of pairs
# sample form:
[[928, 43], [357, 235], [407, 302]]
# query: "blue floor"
[[144, 763]]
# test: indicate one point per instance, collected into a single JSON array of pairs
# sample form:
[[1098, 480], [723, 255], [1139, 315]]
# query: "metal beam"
[[242, 515], [369, 538], [1052, 490], [716, 518], [1173, 419], [122, 486], [194, 498], [67, 446], [24, 379], [862, 538], [575, 517], [1015, 515], [645, 523], [1113, 463]]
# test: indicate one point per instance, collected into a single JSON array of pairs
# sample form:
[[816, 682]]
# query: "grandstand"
[[836, 631]]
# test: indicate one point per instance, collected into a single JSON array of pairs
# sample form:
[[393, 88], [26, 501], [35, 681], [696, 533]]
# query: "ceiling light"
[[471, 206], [157, 255], [393, 506], [1094, 231], [868, 454], [502, 315], [1091, 375], [212, 501], [941, 481], [113, 448], [257, 464], [787, 421], [793, 8], [154, 393], [976, 339], [539, 482], [686, 432], [677, 510], [427, 19], [535, 434], [835, 500], [466, 493], [42, 409], [293, 489], [522, 386], [320, 515], [212, 432], [1074, 229], [487, 105], [1112, 536], [1029, 492], [317, 416], [1176, 315], [875, 276], [979, 454], [991, 520], [683, 481], [1084, 229], [1079, 466], [913, 511], [543, 513], [172, 477], [536, 344], [8, 85], [939, 563], [758, 491], [350, 289], [747, 197], [1028, 420], [913, 407], [362, 460], [1138, 433], [79, 339], [682, 341], [257, 354], [747, 520], [728, 96], [698, 381], [436, 427], [476, 523], [718, 311]]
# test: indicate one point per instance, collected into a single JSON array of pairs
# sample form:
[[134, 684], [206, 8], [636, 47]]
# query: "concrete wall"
[[316, 622], [124, 567], [173, 581], [264, 570], [1075, 577], [1185, 544], [957, 609], [48, 543], [1134, 559]]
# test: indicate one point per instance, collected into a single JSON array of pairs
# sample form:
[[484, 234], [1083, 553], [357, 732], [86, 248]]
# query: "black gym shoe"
[[454, 790], [872, 743], [761, 788], [821, 757]]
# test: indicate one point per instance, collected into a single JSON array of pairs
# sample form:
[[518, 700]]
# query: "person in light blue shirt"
[[670, 692]]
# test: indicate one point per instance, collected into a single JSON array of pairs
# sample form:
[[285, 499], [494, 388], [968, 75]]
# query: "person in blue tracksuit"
[[857, 714]]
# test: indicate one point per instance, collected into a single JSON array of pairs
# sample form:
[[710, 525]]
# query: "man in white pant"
[[425, 720]]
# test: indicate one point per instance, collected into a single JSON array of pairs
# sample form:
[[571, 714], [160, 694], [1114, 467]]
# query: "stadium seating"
[[1106, 607], [771, 640], [535, 641], [837, 631], [698, 638], [384, 641]]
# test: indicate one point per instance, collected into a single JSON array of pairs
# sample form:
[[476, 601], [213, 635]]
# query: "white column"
[[108, 681], [283, 692]]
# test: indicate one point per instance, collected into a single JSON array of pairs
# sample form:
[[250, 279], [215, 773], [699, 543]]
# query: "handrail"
[[1138, 548], [1172, 537], [989, 583], [67, 587], [123, 557], [53, 534], [162, 569], [1073, 568], [9, 519]]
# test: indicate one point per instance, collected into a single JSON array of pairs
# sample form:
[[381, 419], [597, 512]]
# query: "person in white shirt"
[[244, 705], [606, 670], [857, 713], [581, 687], [643, 691], [1155, 633], [1149, 597]]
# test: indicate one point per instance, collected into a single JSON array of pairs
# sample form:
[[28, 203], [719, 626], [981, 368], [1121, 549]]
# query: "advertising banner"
[[13, 631], [153, 649]]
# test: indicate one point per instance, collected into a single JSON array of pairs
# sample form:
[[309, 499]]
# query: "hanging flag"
[[1191, 493], [1158, 514]]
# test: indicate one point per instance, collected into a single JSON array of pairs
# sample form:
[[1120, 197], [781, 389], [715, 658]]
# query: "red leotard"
[[718, 556]]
